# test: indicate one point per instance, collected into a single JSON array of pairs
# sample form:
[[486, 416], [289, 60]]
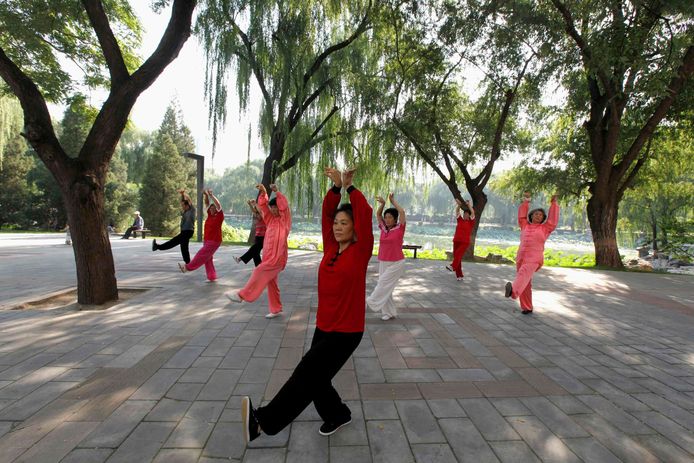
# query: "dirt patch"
[[67, 301]]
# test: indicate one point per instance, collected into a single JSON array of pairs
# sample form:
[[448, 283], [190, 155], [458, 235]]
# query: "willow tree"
[[98, 37], [431, 48], [623, 65], [303, 56]]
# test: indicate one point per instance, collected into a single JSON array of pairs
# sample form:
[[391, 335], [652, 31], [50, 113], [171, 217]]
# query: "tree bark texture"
[[602, 216], [84, 201]]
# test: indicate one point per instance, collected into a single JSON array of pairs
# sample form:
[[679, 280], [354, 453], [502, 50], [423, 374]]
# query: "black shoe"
[[251, 428], [327, 429], [509, 289], [154, 245], [526, 312]]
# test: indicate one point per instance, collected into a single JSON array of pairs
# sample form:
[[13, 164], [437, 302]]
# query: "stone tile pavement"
[[602, 372]]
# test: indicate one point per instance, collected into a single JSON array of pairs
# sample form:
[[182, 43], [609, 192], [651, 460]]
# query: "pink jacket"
[[278, 227], [534, 235]]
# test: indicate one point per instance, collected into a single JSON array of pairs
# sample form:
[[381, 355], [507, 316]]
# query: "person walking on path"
[[260, 227], [138, 224], [347, 247], [211, 240], [391, 260], [465, 217], [278, 220], [536, 227], [187, 229]]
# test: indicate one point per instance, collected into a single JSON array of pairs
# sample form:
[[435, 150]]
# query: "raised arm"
[[472, 209], [213, 198], [362, 213], [523, 210], [262, 202], [402, 217], [330, 203], [184, 196], [552, 216], [379, 211], [283, 206]]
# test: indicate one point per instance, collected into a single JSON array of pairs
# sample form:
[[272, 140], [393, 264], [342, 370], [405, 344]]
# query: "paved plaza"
[[603, 371]]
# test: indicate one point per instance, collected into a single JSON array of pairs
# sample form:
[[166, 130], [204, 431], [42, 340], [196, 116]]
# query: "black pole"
[[200, 170]]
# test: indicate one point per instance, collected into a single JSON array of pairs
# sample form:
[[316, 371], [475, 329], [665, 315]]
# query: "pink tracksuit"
[[274, 254], [531, 253]]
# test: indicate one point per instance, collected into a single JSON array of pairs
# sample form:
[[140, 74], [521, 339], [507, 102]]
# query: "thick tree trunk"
[[602, 215], [84, 201], [479, 202]]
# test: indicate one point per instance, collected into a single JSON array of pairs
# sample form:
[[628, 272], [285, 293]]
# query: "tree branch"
[[111, 120], [310, 143], [108, 42], [677, 83], [38, 128]]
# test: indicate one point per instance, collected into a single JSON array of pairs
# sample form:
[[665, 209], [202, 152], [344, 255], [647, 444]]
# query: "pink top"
[[390, 243], [278, 227], [260, 226], [534, 235]]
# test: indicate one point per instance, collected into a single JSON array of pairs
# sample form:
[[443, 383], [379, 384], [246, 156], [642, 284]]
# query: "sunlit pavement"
[[602, 371]]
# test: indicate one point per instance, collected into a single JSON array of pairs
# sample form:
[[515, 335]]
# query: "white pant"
[[381, 299]]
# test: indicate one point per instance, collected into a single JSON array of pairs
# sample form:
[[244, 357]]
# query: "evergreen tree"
[[120, 196], [165, 173], [16, 192]]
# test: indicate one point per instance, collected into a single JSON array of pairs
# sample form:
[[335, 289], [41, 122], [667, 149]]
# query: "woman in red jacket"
[[461, 239], [347, 247]]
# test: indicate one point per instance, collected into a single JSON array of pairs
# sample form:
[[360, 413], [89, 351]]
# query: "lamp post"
[[200, 176]]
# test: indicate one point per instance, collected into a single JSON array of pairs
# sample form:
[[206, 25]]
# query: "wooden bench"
[[412, 247], [142, 231]]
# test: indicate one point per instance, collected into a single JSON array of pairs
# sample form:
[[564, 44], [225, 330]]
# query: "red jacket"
[[463, 230], [342, 278], [213, 227]]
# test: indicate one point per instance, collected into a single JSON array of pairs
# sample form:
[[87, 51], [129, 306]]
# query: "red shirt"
[[463, 230], [260, 226], [213, 227], [342, 280]]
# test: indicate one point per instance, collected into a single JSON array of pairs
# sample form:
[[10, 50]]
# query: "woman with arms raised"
[[347, 247]]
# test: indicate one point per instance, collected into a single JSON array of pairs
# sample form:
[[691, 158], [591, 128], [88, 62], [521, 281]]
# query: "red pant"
[[204, 256], [459, 248], [523, 284], [263, 276]]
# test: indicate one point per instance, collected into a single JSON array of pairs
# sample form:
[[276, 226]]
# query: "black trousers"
[[128, 232], [312, 382], [254, 251], [181, 239]]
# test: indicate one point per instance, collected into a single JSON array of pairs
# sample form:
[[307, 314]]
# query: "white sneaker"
[[237, 259], [387, 317], [182, 267], [273, 315], [459, 278], [234, 296]]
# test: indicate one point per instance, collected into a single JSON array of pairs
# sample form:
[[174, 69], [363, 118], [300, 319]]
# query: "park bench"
[[412, 247], [142, 231]]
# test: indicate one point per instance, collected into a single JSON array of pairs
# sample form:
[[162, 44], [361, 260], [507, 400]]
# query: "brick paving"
[[602, 371]]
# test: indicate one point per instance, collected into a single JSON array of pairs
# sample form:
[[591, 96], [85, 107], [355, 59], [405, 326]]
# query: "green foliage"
[[119, 195], [232, 234], [76, 124], [164, 175], [44, 32], [134, 146], [16, 190], [11, 119], [236, 186], [167, 171]]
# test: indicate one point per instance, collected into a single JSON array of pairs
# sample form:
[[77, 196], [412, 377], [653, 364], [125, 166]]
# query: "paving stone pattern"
[[603, 371]]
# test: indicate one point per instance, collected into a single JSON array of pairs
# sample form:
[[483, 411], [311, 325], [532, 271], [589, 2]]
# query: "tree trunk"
[[84, 201], [602, 215], [479, 202]]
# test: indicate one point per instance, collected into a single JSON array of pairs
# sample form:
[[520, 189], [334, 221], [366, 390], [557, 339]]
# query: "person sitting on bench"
[[138, 224]]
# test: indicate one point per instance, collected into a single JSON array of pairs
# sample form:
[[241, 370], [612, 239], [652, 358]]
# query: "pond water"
[[439, 236]]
